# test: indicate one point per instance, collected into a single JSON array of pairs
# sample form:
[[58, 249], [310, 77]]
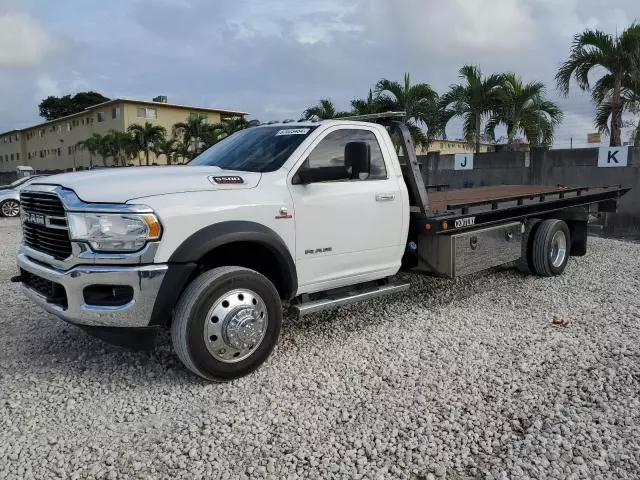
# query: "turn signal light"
[[154, 226], [445, 225], [427, 227]]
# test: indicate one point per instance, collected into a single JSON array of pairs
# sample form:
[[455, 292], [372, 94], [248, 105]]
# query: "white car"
[[10, 195]]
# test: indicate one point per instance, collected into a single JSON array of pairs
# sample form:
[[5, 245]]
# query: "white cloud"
[[23, 41], [46, 86]]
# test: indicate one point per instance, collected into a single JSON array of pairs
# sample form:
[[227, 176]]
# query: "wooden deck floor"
[[438, 201]]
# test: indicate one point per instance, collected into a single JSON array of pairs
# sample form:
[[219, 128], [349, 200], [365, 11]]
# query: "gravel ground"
[[453, 380]]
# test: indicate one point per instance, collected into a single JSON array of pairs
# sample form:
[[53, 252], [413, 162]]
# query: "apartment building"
[[52, 145], [451, 147]]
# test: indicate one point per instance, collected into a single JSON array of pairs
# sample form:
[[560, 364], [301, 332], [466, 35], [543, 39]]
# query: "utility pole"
[[571, 143]]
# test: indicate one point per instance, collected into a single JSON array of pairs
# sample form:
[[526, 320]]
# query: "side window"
[[330, 152]]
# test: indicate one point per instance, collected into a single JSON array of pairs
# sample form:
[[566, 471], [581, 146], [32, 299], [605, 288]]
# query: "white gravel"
[[454, 380]]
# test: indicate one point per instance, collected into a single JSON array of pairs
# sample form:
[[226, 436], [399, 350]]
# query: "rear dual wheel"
[[547, 251], [226, 323]]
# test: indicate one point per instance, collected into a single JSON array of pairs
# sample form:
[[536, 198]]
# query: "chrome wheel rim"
[[10, 208], [558, 251], [236, 325]]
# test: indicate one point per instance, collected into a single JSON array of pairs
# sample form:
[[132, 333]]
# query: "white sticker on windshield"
[[293, 131]]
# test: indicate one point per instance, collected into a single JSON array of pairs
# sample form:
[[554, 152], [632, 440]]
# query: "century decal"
[[465, 222]]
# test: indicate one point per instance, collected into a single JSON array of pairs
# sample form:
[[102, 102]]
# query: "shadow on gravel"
[[68, 350]]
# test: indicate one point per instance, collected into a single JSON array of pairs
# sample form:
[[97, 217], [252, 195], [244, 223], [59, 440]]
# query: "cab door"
[[347, 229]]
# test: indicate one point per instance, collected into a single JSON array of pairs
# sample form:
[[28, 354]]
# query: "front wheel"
[[10, 208], [226, 323]]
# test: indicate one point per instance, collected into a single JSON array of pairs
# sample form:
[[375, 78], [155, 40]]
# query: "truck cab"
[[306, 215]]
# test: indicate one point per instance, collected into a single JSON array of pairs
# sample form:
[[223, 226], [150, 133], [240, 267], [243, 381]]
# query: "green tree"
[[366, 106], [105, 148], [616, 57], [523, 108], [419, 102], [55, 107], [475, 99], [196, 133], [166, 147], [91, 145], [324, 110], [147, 136], [181, 150], [229, 126]]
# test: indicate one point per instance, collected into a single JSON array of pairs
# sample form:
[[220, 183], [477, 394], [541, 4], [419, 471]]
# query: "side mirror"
[[357, 156]]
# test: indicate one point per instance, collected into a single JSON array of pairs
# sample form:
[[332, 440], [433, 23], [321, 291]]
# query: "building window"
[[17, 156], [100, 117], [59, 151], [115, 112], [149, 113], [42, 133], [203, 116]]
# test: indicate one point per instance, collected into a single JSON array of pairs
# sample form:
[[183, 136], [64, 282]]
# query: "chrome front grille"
[[44, 224]]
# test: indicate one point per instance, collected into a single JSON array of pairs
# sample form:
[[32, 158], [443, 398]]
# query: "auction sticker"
[[293, 131]]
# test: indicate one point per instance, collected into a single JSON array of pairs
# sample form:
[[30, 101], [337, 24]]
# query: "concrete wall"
[[494, 168]]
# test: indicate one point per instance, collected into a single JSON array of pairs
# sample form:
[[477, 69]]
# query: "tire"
[[227, 323], [551, 247], [10, 208], [525, 263]]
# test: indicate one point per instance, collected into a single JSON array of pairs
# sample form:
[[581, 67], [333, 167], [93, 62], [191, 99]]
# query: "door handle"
[[385, 197]]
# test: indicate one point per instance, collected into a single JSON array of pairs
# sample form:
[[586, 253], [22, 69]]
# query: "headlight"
[[111, 232]]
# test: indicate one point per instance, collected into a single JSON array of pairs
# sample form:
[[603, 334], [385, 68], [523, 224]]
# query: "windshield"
[[257, 149]]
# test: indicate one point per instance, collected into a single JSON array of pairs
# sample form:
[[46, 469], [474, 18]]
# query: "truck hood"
[[119, 185]]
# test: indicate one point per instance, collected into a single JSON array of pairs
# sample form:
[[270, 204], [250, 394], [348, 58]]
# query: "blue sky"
[[274, 58]]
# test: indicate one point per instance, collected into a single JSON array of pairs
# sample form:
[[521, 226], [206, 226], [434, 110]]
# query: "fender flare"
[[208, 238]]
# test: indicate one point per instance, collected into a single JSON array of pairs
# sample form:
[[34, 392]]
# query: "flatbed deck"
[[441, 200], [460, 209]]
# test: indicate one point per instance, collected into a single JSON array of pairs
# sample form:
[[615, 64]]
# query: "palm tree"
[[524, 108], [325, 110], [419, 102], [91, 145], [181, 150], [105, 148], [612, 93], [231, 125], [166, 147], [147, 135], [477, 98], [195, 132], [366, 106]]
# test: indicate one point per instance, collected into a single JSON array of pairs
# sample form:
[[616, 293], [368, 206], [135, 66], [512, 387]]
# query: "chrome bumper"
[[144, 279]]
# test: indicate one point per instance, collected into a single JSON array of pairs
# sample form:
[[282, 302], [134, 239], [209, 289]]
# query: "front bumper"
[[145, 280]]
